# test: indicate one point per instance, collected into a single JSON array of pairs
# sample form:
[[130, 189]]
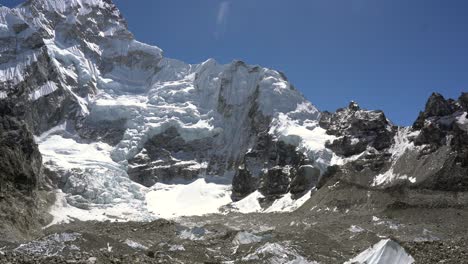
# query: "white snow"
[[355, 229], [206, 101], [401, 145], [307, 136], [287, 203], [67, 153], [462, 121], [384, 252], [48, 88], [135, 245], [177, 248], [390, 177], [90, 175], [196, 198], [249, 204]]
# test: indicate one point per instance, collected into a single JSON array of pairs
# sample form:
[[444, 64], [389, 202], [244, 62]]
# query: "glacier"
[[125, 129], [114, 82]]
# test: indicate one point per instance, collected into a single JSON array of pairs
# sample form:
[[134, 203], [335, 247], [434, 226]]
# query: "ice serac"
[[385, 251], [145, 119]]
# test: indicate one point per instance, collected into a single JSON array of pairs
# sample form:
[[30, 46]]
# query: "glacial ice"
[[201, 101], [384, 252], [277, 253]]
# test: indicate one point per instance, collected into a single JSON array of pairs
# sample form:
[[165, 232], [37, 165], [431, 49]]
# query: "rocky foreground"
[[310, 235]]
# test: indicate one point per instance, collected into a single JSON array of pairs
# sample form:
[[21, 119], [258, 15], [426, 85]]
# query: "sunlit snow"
[[196, 198]]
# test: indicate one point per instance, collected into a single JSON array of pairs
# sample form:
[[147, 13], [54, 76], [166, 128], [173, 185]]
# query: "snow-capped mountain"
[[113, 117], [121, 129]]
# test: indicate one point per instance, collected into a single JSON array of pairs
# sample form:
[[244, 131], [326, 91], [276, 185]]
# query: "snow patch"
[[462, 121], [251, 204], [177, 248], [48, 88], [287, 203], [401, 145], [135, 245], [355, 229], [196, 198]]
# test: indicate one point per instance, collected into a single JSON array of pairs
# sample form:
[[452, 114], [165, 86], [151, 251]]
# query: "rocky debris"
[[446, 251], [305, 235], [357, 130]]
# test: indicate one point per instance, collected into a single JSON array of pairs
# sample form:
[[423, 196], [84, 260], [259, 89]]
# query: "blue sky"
[[388, 55]]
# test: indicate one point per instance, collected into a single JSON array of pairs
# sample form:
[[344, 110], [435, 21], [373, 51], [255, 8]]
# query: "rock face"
[[357, 129], [20, 177], [274, 168], [443, 136], [88, 84], [423, 162]]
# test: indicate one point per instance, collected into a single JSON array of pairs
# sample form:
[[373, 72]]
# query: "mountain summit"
[[96, 125]]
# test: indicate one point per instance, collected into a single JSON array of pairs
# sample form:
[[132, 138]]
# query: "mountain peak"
[[353, 106]]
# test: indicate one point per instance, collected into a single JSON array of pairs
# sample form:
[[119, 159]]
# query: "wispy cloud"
[[221, 18]]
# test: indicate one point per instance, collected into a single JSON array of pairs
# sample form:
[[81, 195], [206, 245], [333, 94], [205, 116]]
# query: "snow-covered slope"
[[114, 117], [119, 125]]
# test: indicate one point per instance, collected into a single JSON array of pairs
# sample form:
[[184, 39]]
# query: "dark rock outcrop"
[[274, 168], [167, 156], [21, 206], [358, 129], [430, 157], [440, 131]]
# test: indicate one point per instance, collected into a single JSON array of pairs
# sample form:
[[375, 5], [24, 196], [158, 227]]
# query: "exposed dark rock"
[[274, 181], [167, 156], [21, 161], [21, 205], [306, 177], [243, 184], [274, 168], [358, 129], [463, 100], [107, 131], [436, 106]]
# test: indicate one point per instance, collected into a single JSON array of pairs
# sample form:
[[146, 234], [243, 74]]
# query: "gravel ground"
[[325, 236]]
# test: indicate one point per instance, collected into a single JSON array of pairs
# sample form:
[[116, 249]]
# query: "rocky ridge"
[[74, 76]]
